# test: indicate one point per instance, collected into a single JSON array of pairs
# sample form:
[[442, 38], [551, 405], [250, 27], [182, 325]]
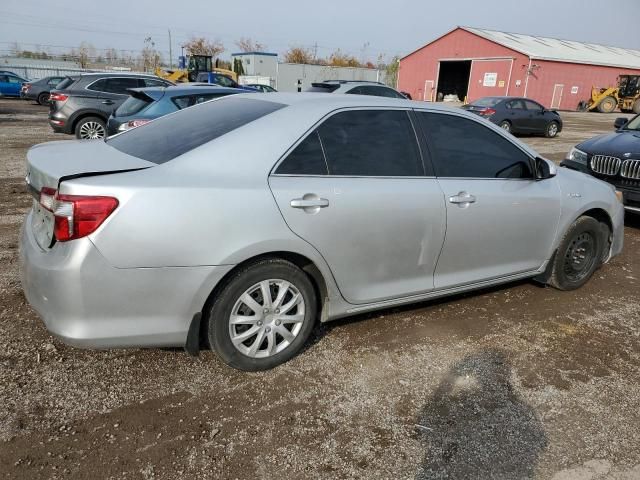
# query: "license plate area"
[[42, 225]]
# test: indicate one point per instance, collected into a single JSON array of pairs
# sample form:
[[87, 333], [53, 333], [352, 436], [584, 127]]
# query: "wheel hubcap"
[[266, 318], [506, 126], [553, 129], [580, 256], [91, 131]]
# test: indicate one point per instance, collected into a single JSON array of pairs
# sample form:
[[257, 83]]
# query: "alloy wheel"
[[266, 318], [92, 131]]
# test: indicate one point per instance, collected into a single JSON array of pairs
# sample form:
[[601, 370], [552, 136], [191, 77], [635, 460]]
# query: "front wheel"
[[579, 254], [262, 316], [91, 128], [551, 130], [607, 105]]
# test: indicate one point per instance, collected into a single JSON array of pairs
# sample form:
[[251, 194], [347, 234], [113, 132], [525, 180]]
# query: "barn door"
[[427, 95], [556, 100]]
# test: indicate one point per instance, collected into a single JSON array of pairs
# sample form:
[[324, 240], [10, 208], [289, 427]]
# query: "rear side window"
[[515, 105], [323, 87], [371, 143], [463, 148], [377, 91], [306, 159], [171, 136], [115, 85], [533, 106]]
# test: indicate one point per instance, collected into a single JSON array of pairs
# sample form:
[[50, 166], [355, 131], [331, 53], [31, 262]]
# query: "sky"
[[363, 28]]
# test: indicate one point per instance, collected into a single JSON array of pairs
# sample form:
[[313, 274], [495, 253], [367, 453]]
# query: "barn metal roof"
[[545, 48]]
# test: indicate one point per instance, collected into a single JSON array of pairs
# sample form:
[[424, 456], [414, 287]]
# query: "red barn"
[[473, 63]]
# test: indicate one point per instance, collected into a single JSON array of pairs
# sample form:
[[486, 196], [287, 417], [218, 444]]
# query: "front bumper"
[[86, 302]]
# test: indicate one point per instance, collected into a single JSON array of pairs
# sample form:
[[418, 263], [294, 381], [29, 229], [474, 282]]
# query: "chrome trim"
[[632, 209], [630, 169], [605, 165]]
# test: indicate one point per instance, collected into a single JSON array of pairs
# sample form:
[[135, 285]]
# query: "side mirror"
[[619, 123], [545, 169]]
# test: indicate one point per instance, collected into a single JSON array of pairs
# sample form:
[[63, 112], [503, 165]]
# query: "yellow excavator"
[[190, 67], [626, 97]]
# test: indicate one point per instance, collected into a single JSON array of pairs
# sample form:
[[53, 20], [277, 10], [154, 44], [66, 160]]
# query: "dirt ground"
[[513, 382]]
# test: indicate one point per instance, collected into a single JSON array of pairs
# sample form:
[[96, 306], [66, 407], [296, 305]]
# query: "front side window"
[[463, 148], [371, 143]]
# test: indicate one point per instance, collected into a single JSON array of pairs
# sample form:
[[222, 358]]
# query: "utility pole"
[[315, 51], [170, 51]]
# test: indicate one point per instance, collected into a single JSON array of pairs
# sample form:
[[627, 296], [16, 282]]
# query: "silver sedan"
[[240, 222]]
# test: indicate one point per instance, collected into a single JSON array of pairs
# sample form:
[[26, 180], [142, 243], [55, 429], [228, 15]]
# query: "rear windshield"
[[486, 102], [169, 137], [65, 82], [133, 105]]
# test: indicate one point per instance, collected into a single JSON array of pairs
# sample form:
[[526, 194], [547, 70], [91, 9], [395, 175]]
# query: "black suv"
[[83, 106]]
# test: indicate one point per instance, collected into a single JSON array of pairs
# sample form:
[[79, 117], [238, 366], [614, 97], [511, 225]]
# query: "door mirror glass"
[[544, 169], [619, 123]]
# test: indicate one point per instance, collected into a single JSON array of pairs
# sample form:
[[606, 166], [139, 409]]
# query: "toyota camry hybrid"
[[238, 223]]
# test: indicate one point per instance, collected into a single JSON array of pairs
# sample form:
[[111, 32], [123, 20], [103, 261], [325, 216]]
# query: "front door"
[[556, 100], [500, 220], [355, 189]]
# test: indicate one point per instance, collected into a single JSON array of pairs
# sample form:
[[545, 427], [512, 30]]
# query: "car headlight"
[[577, 156]]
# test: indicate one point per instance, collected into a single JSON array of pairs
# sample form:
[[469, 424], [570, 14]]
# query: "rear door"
[[112, 92], [355, 188], [500, 220]]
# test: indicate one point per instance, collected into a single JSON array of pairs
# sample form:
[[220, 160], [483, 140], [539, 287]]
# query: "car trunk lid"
[[50, 164]]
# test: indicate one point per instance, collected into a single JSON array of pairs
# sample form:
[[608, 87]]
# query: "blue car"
[[145, 104], [10, 84]]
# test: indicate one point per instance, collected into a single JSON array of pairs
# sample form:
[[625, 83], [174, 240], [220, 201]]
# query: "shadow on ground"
[[476, 427]]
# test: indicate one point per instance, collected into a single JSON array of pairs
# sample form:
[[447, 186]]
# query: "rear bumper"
[[86, 302]]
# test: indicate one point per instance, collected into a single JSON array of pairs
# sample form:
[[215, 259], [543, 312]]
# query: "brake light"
[[487, 112], [76, 216], [58, 97], [26, 87]]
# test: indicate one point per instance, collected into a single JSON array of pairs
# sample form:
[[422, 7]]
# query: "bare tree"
[[203, 46], [86, 52], [150, 57], [249, 45]]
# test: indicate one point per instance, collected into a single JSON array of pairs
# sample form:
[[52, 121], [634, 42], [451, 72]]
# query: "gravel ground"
[[512, 382]]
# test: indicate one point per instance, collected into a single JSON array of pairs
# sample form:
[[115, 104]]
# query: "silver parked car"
[[241, 221]]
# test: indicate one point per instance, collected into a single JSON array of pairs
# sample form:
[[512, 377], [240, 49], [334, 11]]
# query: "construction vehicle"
[[626, 96], [190, 67]]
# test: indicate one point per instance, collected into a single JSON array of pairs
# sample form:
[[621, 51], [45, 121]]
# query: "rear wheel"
[[43, 98], [607, 105], [91, 128], [263, 315], [579, 254], [505, 125], [551, 130], [636, 106]]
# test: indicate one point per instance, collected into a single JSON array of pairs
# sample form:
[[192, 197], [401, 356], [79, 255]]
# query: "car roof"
[[118, 74], [187, 89]]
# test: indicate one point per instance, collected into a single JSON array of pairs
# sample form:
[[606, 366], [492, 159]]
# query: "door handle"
[[462, 198], [107, 102], [309, 203]]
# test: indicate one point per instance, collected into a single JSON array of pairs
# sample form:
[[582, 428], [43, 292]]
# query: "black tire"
[[552, 129], [43, 98], [219, 316], [636, 106], [607, 105], [505, 125], [579, 254], [84, 124]]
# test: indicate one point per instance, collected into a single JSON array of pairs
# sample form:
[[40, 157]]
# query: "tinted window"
[[379, 91], [133, 105], [66, 82], [3, 79], [371, 143], [152, 82], [532, 105], [465, 148], [168, 137], [305, 159], [515, 105], [224, 81], [356, 91], [486, 102], [14, 79], [323, 88], [120, 85]]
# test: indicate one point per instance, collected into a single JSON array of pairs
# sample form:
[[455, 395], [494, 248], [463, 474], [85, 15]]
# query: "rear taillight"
[[76, 216], [26, 87], [58, 97], [132, 124], [487, 112]]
